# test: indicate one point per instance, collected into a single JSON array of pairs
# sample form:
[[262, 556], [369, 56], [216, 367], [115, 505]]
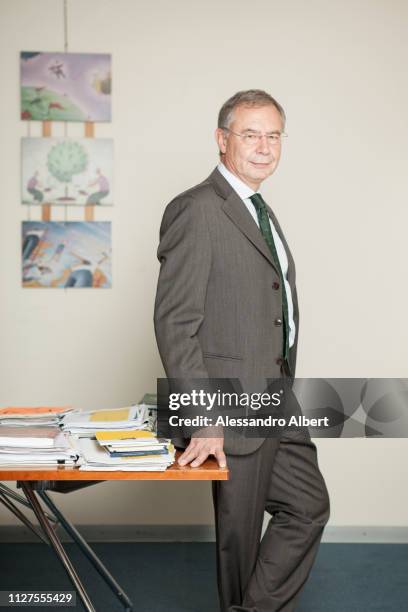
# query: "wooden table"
[[36, 481], [209, 470]]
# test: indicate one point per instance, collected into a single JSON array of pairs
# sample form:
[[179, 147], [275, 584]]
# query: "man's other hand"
[[201, 447]]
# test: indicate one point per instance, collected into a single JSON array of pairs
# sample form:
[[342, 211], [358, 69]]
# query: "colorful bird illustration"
[[57, 70]]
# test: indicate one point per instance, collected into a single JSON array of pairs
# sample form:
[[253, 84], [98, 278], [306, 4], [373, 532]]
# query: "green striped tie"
[[265, 227]]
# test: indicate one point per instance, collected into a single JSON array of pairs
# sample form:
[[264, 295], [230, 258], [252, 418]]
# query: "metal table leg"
[[17, 512], [27, 487], [21, 499], [87, 550]]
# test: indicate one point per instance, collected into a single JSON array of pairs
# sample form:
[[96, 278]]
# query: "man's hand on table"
[[201, 447]]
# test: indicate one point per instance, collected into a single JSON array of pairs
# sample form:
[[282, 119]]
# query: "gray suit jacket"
[[217, 296]]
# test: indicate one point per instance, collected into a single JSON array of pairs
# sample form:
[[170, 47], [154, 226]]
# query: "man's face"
[[254, 161]]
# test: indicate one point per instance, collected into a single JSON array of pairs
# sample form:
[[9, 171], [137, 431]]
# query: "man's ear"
[[221, 137]]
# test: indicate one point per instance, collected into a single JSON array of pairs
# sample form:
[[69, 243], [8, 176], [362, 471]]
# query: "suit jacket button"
[[278, 322], [279, 361], [275, 285]]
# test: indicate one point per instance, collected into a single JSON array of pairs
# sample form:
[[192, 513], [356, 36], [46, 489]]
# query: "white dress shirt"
[[244, 192]]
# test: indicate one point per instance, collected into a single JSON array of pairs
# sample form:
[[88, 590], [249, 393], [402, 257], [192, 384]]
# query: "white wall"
[[339, 70]]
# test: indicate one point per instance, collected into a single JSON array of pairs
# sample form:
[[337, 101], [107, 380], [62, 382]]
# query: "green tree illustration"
[[66, 159]]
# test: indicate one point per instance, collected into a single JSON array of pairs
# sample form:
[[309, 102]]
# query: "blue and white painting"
[[70, 254]]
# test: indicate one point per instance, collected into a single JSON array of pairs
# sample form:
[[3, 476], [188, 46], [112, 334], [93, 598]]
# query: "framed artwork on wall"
[[66, 254], [66, 171], [65, 86]]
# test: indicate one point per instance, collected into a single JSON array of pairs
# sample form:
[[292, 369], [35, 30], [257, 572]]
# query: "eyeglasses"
[[250, 137]]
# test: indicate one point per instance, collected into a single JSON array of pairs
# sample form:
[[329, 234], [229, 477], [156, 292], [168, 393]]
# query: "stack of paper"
[[35, 446], [21, 416], [96, 457], [128, 443], [85, 424], [125, 438]]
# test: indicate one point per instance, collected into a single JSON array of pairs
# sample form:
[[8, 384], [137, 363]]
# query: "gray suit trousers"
[[282, 477]]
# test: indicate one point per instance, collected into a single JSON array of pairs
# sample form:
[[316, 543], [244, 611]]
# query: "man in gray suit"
[[226, 308]]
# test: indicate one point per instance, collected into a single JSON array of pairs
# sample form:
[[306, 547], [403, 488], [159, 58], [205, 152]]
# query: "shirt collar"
[[242, 189]]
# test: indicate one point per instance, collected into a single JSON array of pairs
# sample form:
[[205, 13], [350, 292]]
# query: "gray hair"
[[250, 97]]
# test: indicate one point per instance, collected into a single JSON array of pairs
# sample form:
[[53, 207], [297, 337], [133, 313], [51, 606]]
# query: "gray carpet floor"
[[180, 577]]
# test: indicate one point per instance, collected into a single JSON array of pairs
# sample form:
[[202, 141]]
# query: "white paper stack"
[[125, 442], [35, 446], [125, 439], [96, 458], [85, 424], [28, 416]]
